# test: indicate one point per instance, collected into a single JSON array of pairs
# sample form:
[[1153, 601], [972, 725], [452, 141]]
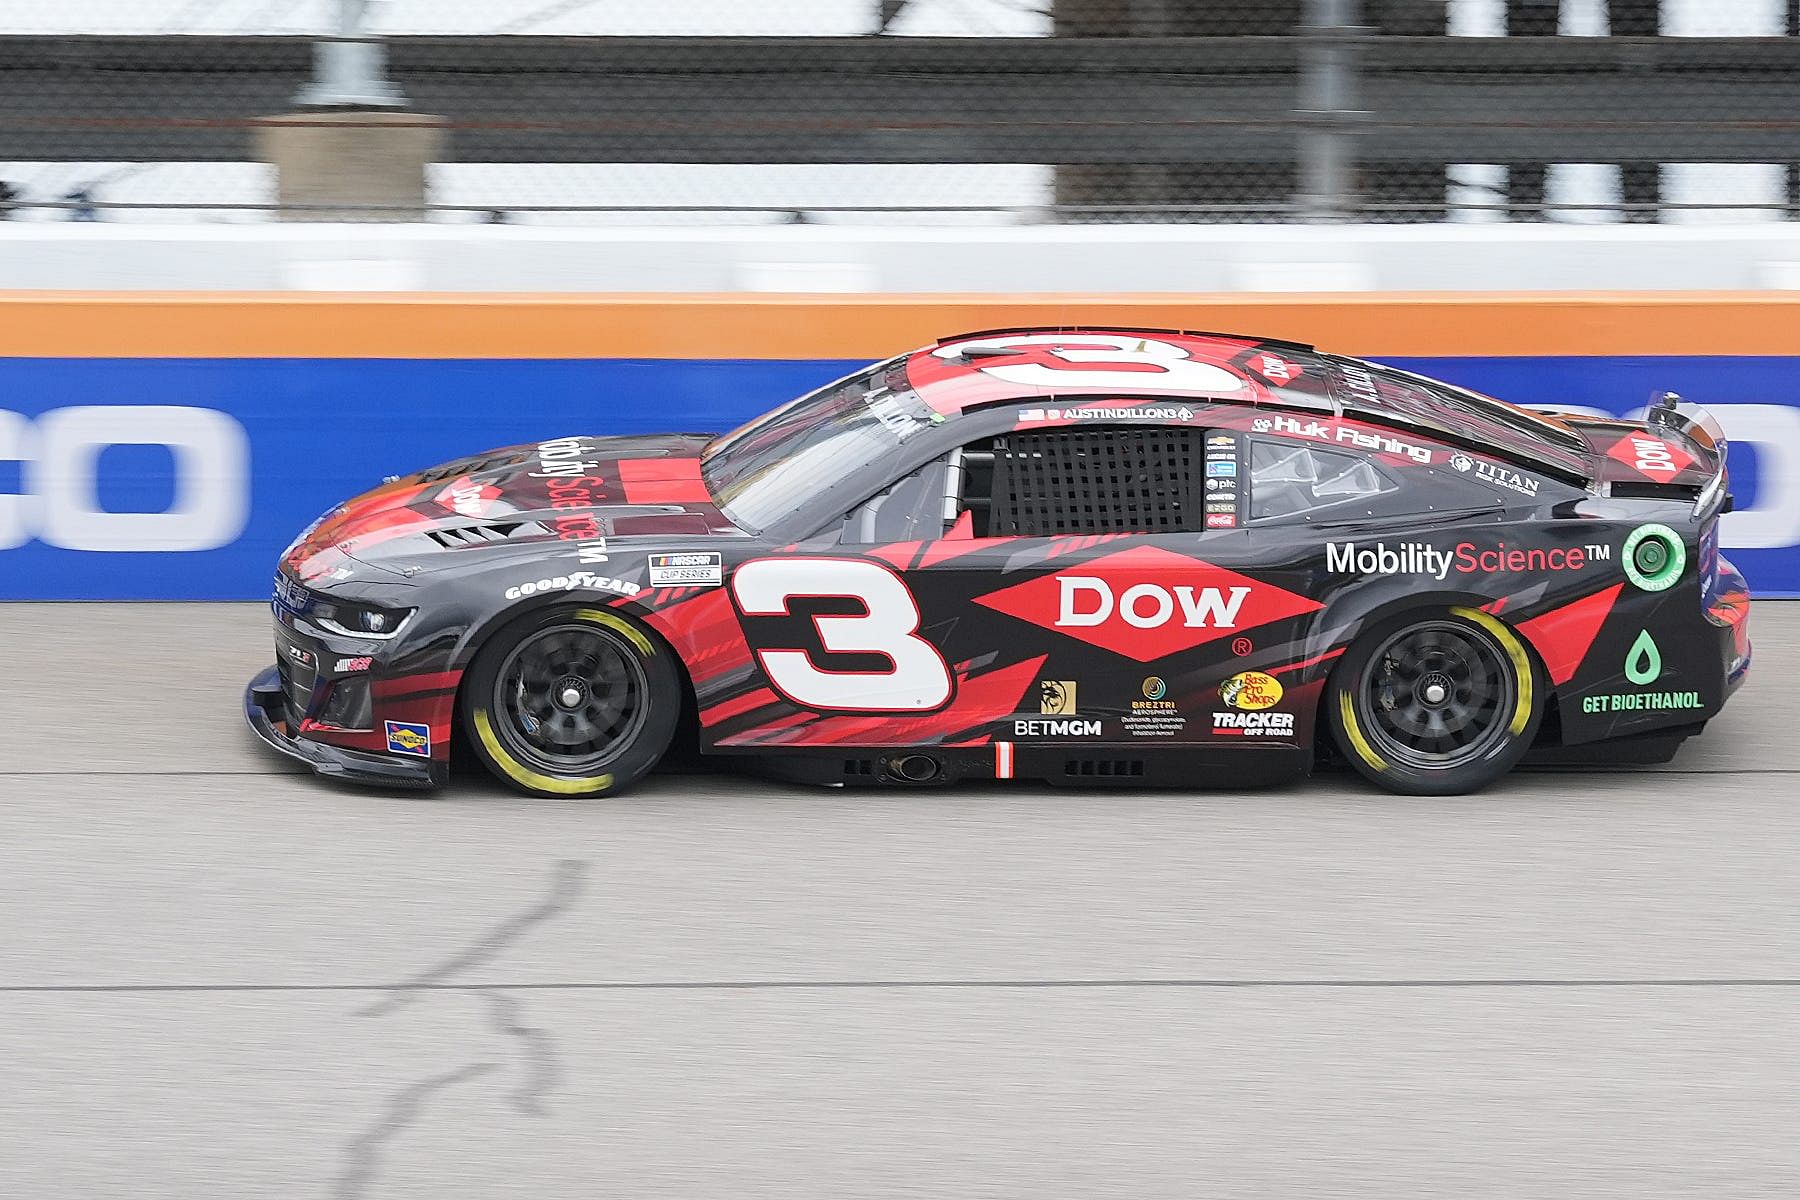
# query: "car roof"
[[974, 370]]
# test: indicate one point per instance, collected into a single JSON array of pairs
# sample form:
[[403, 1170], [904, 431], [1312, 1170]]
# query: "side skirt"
[[1092, 765]]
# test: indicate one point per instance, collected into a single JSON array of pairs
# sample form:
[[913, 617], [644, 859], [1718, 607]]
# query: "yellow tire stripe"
[[1515, 651], [1347, 710], [484, 729], [613, 621]]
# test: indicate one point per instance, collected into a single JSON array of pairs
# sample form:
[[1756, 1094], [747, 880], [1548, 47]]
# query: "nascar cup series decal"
[[686, 570]]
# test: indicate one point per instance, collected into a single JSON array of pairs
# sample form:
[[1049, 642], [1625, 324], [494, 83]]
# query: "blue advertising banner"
[[183, 479]]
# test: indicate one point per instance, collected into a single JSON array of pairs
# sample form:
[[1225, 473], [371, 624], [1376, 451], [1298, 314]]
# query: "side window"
[[1289, 480], [915, 507], [1086, 480], [1069, 481]]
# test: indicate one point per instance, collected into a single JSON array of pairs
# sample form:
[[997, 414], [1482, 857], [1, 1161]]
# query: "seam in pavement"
[[743, 985]]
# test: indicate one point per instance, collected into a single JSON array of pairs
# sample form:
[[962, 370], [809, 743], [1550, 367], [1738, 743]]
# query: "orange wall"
[[307, 325]]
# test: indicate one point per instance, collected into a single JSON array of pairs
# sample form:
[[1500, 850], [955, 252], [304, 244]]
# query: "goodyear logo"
[[404, 737], [1251, 691]]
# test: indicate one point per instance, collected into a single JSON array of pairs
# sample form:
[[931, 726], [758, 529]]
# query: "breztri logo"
[[59, 457]]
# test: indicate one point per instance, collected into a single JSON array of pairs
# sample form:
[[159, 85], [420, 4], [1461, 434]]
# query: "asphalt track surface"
[[221, 978]]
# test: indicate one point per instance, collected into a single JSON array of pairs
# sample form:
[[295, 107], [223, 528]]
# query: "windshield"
[[790, 458]]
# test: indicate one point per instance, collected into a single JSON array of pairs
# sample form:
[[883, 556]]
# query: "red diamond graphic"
[[1147, 603], [467, 498], [1649, 456]]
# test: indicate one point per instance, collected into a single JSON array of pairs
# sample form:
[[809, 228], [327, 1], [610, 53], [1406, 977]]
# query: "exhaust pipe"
[[915, 768]]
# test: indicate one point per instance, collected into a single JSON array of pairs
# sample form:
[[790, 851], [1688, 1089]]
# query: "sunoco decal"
[[404, 737]]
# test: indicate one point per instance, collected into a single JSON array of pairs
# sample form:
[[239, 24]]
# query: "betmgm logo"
[[1056, 697], [59, 456]]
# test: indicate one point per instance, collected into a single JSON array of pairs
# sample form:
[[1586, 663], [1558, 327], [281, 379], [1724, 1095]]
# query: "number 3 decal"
[[1097, 360], [917, 678]]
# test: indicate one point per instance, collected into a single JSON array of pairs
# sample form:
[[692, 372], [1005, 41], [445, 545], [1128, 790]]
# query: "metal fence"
[[997, 111]]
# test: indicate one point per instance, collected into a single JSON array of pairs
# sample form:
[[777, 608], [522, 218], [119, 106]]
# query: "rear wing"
[[1676, 452]]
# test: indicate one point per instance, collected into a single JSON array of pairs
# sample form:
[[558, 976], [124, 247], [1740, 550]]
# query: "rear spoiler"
[[1677, 451], [1701, 430]]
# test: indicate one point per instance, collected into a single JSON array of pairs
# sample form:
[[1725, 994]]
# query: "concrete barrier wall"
[[167, 446], [893, 260]]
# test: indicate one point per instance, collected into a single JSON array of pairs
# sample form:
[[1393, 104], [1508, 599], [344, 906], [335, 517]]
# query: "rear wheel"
[[571, 702], [1435, 705]]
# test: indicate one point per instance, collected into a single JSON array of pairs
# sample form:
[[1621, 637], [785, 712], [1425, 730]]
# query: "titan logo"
[[1146, 603]]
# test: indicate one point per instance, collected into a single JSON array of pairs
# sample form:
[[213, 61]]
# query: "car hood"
[[572, 489]]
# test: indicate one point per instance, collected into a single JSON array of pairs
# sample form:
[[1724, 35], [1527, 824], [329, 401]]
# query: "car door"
[[1066, 581]]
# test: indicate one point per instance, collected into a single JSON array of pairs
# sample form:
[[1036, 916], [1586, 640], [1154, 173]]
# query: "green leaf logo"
[[1644, 664]]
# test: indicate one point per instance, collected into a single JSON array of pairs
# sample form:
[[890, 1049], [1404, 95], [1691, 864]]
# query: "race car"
[[1080, 556]]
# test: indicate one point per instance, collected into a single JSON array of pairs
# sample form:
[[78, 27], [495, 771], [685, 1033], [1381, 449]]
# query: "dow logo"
[[1146, 603], [59, 470]]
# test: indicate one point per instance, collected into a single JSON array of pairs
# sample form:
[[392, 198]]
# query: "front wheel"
[[571, 702], [1435, 705]]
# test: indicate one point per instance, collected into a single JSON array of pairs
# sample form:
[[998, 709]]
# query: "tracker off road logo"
[[1253, 724]]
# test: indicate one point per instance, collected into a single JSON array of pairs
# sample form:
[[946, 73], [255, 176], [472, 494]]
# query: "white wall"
[[1112, 258]]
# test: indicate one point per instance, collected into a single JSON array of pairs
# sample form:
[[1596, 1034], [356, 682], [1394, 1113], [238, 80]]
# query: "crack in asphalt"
[[540, 1050], [567, 881], [402, 1110], [539, 1074]]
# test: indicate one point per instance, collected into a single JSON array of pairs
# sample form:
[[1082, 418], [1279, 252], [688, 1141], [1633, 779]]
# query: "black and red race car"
[[1085, 556]]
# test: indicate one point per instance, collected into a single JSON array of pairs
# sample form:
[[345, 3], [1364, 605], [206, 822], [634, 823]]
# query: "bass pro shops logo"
[[1146, 603]]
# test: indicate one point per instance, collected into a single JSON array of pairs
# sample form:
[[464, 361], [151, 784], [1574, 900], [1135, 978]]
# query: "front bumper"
[[265, 710]]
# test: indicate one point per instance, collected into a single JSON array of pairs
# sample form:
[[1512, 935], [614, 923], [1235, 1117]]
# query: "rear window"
[[1287, 480], [1462, 416]]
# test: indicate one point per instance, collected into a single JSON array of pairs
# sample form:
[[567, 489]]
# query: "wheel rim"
[[1437, 696], [571, 698]]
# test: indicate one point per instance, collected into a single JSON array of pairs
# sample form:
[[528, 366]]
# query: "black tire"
[[571, 702], [1436, 704]]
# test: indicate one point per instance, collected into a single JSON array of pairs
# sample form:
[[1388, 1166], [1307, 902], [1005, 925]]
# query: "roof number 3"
[[1096, 361]]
